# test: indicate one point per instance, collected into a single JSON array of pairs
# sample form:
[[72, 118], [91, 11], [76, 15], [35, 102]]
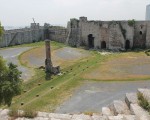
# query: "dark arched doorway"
[[90, 41], [127, 44], [103, 45]]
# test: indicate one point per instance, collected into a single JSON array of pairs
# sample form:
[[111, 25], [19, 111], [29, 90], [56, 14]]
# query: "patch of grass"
[[88, 113], [143, 102], [14, 113], [29, 113], [63, 87], [147, 52]]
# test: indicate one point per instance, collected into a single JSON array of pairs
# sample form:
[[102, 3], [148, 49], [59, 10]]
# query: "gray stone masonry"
[[108, 34]]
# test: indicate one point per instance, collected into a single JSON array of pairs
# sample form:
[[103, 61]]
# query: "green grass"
[[52, 93], [143, 102], [63, 86], [37, 44]]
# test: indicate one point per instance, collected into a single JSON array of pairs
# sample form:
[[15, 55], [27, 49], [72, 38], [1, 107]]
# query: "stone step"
[[81, 117], [107, 112], [122, 117], [60, 116], [139, 112], [99, 117], [131, 98], [146, 93], [119, 107], [4, 114]]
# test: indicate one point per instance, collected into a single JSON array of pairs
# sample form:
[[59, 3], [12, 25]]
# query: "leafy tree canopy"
[[10, 82], [1, 29]]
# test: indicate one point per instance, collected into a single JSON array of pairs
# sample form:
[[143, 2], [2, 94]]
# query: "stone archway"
[[90, 41], [103, 45], [127, 46]]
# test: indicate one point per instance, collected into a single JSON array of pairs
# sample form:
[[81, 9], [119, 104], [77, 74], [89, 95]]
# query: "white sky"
[[21, 12]]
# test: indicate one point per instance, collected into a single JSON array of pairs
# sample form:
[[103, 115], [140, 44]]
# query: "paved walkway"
[[11, 55], [92, 96]]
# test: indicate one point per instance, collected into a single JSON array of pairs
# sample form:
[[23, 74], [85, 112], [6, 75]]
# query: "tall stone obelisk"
[[48, 61]]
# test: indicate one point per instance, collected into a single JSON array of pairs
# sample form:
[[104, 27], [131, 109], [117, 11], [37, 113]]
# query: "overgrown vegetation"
[[147, 52], [1, 30], [131, 22], [143, 102], [28, 113], [10, 82]]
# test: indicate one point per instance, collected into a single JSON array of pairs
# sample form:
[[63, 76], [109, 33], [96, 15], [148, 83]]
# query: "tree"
[[1, 29], [10, 82]]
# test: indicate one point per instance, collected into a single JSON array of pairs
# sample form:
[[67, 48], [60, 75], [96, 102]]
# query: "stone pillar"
[[48, 62]]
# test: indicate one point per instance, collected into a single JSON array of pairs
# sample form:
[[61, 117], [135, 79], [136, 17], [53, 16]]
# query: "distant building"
[[148, 12]]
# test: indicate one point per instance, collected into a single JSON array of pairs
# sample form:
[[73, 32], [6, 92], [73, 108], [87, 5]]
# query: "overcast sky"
[[21, 12]]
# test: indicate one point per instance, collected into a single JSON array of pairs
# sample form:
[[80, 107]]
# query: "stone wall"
[[58, 34], [108, 34], [21, 36], [33, 34]]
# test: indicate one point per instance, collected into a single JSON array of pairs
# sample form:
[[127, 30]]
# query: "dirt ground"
[[127, 66], [63, 56]]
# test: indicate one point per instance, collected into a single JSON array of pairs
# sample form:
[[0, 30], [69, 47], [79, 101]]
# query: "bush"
[[143, 102], [147, 52], [131, 22], [1, 30], [10, 82], [27, 113]]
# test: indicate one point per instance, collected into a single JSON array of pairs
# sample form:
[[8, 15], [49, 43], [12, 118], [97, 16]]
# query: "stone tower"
[[148, 12]]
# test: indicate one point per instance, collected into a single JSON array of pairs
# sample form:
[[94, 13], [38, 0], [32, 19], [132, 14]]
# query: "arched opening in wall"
[[141, 33], [127, 44], [90, 41], [103, 45]]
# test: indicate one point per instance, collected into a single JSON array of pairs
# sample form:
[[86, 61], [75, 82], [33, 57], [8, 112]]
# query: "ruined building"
[[92, 34], [108, 34]]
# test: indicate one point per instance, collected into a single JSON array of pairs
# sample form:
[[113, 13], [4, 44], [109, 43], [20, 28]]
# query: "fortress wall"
[[104, 34], [116, 39], [115, 34], [129, 32], [140, 34], [90, 28], [148, 35], [59, 35], [21, 36]]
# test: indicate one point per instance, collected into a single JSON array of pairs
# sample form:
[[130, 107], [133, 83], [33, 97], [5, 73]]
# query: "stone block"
[[98, 117], [146, 93], [139, 112], [129, 117], [60, 116], [106, 111], [131, 98], [119, 107], [4, 114], [81, 117], [42, 114], [116, 117]]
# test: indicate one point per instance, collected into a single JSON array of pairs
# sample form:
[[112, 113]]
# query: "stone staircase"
[[118, 110]]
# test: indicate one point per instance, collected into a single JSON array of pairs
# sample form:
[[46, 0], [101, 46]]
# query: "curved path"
[[92, 96], [11, 55]]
